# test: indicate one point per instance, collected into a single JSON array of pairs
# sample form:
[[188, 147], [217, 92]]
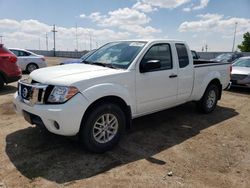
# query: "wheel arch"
[[111, 99], [216, 82]]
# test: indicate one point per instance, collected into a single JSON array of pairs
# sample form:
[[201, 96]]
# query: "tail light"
[[43, 59], [230, 68], [13, 59]]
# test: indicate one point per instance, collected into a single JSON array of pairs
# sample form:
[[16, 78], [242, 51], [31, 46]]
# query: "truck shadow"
[[38, 154]]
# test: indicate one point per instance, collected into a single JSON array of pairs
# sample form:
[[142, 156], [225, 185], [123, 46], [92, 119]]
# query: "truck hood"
[[70, 74]]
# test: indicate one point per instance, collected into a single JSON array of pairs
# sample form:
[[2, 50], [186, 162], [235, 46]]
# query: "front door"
[[157, 88]]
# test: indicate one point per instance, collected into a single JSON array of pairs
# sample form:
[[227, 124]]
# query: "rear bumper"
[[240, 83]]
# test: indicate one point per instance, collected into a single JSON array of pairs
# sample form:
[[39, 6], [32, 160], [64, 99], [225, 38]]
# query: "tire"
[[209, 100], [1, 82], [95, 133], [31, 67]]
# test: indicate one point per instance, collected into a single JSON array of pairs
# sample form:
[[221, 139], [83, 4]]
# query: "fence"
[[69, 54], [78, 54]]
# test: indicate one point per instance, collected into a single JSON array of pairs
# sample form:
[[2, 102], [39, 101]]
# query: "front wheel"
[[31, 67], [209, 100], [102, 128]]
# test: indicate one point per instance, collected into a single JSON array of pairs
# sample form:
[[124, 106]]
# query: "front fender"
[[96, 92]]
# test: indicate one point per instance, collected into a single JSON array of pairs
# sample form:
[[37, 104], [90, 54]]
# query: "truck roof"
[[153, 40]]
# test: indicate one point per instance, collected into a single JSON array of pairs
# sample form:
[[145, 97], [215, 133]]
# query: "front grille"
[[238, 76], [33, 93]]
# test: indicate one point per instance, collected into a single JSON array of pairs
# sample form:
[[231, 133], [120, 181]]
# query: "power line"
[[54, 36]]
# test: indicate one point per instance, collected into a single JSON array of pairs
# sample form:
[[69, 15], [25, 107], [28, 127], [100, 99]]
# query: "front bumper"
[[62, 119]]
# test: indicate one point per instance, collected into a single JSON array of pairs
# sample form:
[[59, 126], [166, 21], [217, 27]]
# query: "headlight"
[[61, 94]]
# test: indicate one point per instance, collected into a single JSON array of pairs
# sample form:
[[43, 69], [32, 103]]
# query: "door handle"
[[173, 76]]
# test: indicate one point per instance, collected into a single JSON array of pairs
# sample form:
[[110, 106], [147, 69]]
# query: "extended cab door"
[[156, 86], [185, 72]]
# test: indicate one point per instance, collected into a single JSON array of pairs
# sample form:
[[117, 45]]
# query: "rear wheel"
[[31, 67], [209, 100], [1, 82], [102, 128]]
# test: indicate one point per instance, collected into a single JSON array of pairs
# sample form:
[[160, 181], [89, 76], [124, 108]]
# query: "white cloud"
[[9, 24], [82, 16], [144, 7], [202, 5], [127, 19], [28, 33], [165, 3], [216, 23]]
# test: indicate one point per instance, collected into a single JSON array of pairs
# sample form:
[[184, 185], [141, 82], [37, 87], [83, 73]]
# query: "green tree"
[[245, 45]]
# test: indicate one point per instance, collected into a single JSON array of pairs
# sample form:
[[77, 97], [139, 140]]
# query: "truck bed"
[[208, 63]]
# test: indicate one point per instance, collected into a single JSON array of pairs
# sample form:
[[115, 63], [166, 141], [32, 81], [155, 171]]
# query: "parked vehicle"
[[240, 75], [120, 81], [28, 61], [228, 57], [195, 54], [9, 71], [76, 61]]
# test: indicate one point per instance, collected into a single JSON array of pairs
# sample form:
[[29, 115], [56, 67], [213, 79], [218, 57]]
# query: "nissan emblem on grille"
[[25, 92]]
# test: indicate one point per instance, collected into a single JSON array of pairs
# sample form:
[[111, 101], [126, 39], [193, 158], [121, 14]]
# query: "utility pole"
[[234, 35], [54, 34], [90, 40], [47, 45], [39, 43], [1, 39], [76, 39]]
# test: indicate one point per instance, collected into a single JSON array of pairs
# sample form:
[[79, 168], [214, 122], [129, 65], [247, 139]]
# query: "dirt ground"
[[178, 147]]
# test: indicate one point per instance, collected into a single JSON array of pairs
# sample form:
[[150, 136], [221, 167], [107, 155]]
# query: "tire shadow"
[[36, 153]]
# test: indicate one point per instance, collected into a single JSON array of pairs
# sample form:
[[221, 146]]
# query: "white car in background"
[[28, 61]]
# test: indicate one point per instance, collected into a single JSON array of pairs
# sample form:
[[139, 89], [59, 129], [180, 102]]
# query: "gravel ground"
[[178, 147]]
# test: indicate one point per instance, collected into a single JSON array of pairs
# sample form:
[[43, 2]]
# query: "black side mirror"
[[150, 65]]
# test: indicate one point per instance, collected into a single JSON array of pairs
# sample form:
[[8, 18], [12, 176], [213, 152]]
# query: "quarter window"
[[182, 55]]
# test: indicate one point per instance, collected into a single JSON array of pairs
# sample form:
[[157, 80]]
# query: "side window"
[[23, 53], [182, 55], [15, 52], [161, 52]]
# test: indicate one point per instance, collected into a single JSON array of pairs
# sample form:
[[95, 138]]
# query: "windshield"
[[242, 63], [87, 54], [223, 57], [116, 54]]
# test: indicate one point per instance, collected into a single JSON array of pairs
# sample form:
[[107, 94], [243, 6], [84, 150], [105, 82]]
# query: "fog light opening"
[[56, 125]]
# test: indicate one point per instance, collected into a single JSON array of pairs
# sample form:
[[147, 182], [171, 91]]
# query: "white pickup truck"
[[120, 81]]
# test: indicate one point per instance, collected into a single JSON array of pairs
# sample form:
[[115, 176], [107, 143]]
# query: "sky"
[[88, 24]]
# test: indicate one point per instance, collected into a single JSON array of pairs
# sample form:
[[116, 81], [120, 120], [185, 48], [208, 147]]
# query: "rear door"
[[23, 58], [157, 89], [185, 72]]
